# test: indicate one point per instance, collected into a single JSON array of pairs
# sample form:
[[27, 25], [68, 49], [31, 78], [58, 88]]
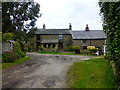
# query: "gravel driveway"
[[41, 71]]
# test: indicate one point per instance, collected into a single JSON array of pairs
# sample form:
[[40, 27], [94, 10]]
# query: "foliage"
[[15, 14], [17, 49], [41, 48], [9, 57], [92, 73], [76, 48], [110, 13], [85, 52], [68, 49], [0, 36], [7, 36], [92, 48], [55, 49], [31, 33], [22, 54], [18, 61]]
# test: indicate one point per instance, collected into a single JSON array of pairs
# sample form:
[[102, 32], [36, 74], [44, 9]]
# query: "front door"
[[60, 45]]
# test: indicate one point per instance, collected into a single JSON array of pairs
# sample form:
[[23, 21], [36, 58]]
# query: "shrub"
[[17, 50], [7, 36], [76, 49], [41, 48], [69, 48], [22, 54], [9, 56], [55, 49], [85, 52], [92, 49], [16, 47]]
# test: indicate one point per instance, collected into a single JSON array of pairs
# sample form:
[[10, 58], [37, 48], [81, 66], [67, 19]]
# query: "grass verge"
[[19, 61], [62, 53], [93, 73]]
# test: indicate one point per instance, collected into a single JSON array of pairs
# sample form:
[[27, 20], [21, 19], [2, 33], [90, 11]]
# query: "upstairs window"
[[60, 37], [84, 41]]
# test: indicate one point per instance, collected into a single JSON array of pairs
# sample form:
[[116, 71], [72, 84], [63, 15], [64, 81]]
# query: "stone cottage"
[[51, 38], [63, 38]]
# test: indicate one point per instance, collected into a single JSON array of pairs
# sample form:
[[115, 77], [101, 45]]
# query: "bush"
[[17, 50], [56, 49], [76, 49], [22, 54], [68, 49], [41, 48], [92, 49], [9, 56], [16, 47], [85, 52], [7, 36]]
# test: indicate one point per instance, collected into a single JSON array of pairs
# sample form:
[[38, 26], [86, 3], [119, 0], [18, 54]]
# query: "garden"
[[71, 50], [15, 56]]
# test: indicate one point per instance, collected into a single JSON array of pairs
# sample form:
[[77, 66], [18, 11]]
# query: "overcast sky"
[[59, 13]]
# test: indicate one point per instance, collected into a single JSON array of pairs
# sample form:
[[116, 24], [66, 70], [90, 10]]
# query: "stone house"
[[63, 38], [51, 38]]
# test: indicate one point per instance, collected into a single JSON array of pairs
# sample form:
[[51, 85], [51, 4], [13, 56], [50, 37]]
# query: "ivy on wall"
[[110, 12]]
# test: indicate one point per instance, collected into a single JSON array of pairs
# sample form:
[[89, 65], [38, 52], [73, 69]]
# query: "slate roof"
[[49, 41], [92, 34], [53, 31]]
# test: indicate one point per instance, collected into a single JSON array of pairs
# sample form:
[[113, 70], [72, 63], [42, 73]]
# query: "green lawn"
[[93, 73], [61, 53], [19, 61]]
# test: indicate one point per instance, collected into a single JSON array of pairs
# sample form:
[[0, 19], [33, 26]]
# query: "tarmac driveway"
[[41, 71]]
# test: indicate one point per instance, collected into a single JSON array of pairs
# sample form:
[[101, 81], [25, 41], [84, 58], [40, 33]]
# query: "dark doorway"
[[60, 45]]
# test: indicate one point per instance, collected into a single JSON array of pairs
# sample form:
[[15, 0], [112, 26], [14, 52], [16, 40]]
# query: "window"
[[49, 45], [44, 45], [84, 47], [38, 44], [60, 37], [38, 37], [84, 41], [53, 46]]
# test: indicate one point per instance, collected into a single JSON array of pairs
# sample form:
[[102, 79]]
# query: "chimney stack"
[[70, 26], [43, 26], [87, 28]]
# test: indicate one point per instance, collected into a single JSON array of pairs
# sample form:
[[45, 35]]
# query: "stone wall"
[[49, 37], [5, 46], [96, 43], [67, 41]]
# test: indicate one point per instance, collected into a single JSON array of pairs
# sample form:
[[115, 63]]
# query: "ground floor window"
[[44, 45], [49, 45], [53, 45], [38, 44], [84, 47]]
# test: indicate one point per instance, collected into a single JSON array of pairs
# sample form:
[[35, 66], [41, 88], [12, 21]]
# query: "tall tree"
[[19, 16], [110, 12]]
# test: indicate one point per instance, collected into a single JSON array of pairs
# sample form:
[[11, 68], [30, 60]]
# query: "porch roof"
[[49, 41]]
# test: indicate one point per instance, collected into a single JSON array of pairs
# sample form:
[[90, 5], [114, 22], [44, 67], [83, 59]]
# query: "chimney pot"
[[87, 28], [43, 26], [70, 26]]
